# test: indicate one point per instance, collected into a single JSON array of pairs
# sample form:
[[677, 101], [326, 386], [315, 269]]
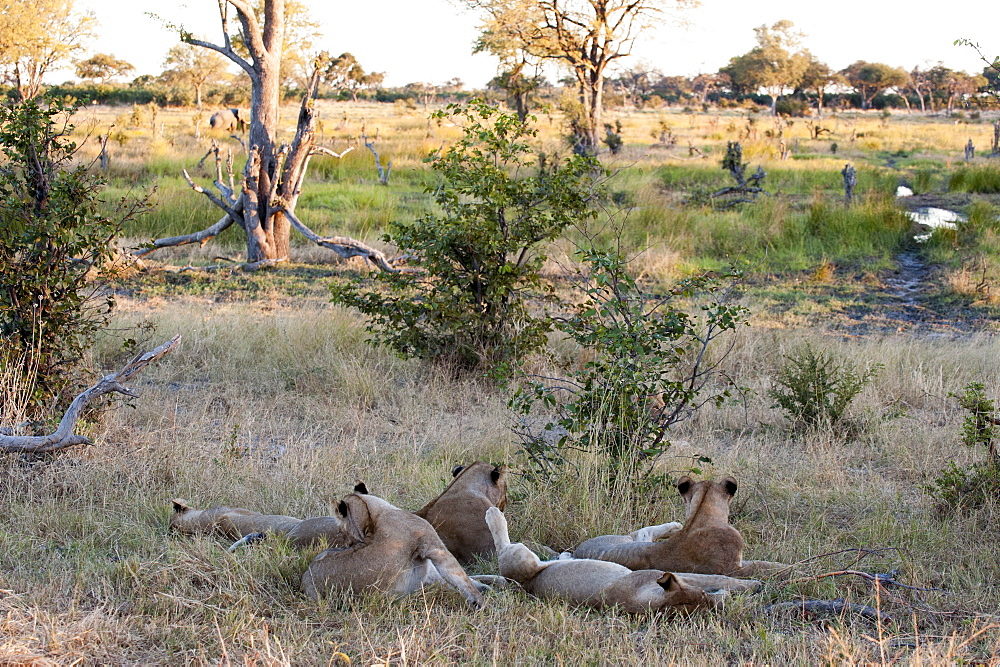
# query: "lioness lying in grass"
[[457, 514], [598, 583], [236, 523], [707, 543], [390, 550]]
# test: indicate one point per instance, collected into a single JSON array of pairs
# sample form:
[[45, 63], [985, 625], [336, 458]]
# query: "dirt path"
[[910, 303]]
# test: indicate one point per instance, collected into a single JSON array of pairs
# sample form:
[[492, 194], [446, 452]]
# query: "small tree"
[[870, 79], [653, 365], [192, 66], [54, 239], [38, 36], [475, 261], [103, 66]]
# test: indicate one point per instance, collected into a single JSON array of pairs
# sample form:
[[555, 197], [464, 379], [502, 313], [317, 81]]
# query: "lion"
[[705, 544], [389, 550], [244, 525], [458, 513], [599, 583]]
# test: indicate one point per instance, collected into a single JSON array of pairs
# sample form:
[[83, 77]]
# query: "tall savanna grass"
[[982, 178], [281, 409]]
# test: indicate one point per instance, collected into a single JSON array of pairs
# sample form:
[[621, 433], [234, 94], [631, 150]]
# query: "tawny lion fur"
[[598, 583], [390, 550], [235, 523], [706, 543], [458, 514]]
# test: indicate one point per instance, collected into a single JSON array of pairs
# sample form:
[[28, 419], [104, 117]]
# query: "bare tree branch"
[[63, 436], [838, 606], [197, 237], [343, 246]]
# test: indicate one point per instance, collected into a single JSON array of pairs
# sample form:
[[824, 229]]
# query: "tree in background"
[[816, 78], [103, 66], [637, 83], [585, 36], [344, 73], [518, 70], [37, 36], [704, 85], [264, 205], [771, 65], [870, 79], [947, 85], [187, 65]]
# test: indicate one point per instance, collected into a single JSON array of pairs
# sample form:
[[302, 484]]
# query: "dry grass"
[[282, 408]]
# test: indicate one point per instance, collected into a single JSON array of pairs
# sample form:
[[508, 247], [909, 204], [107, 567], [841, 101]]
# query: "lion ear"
[[730, 485], [180, 505], [456, 470], [668, 581], [684, 485], [342, 509], [495, 474], [361, 488]]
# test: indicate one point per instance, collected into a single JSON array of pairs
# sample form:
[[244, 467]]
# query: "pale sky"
[[431, 40]]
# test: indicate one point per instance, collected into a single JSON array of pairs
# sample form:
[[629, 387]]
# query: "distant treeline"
[[632, 89]]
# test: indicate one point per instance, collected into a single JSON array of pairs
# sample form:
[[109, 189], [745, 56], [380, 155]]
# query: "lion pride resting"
[[705, 544], [457, 515], [598, 583]]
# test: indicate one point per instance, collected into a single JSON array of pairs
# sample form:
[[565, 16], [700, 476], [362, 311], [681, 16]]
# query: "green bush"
[[650, 367], [980, 482], [463, 299], [814, 388], [790, 106], [55, 248]]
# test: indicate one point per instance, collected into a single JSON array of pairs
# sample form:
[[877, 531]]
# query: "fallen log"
[[64, 436]]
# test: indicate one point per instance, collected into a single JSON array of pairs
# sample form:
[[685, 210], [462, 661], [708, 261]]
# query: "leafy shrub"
[[980, 482], [613, 137], [979, 426], [475, 263], [813, 388], [55, 247], [649, 369], [790, 106]]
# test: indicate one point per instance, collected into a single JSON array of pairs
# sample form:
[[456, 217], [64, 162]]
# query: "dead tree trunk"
[[273, 175], [850, 182]]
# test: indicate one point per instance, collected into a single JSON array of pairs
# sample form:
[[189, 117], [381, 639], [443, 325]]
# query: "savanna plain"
[[274, 401]]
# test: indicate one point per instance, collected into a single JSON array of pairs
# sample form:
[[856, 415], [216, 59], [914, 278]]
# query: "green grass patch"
[[984, 179]]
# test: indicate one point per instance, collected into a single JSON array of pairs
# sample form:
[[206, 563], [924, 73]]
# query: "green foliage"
[[979, 426], [980, 482], [648, 369], [53, 241], [959, 487], [983, 179], [613, 137], [476, 261], [814, 388]]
